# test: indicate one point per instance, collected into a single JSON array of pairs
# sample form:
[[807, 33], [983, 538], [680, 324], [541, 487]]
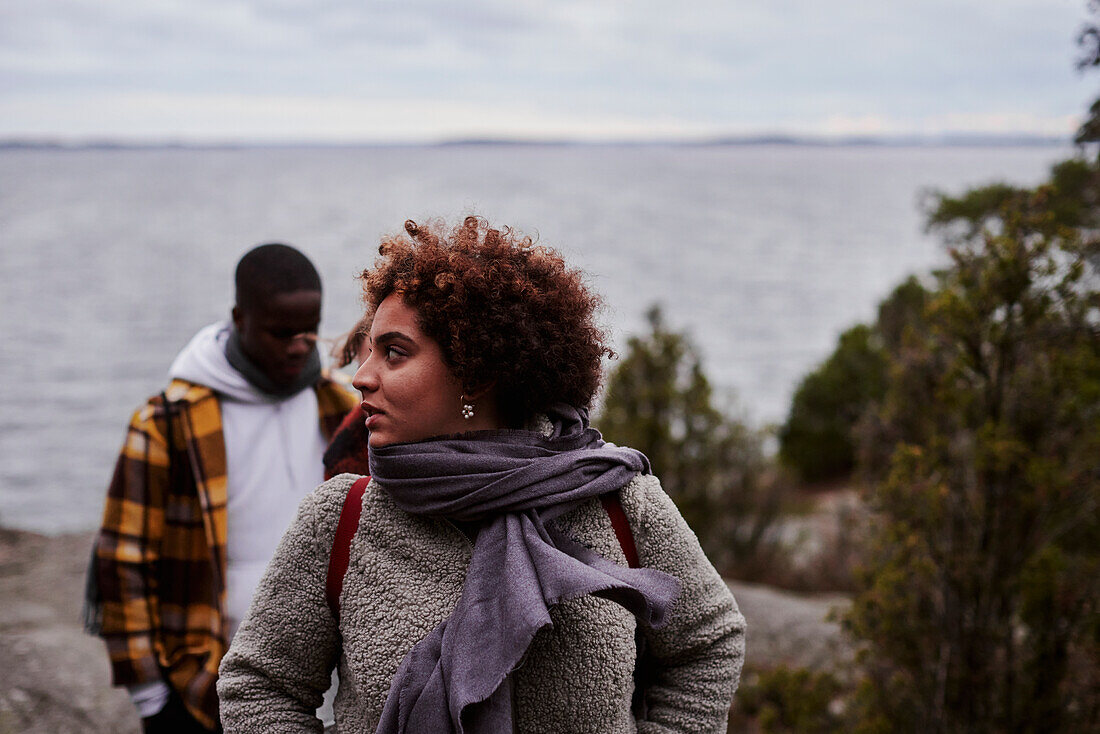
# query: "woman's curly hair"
[[503, 310]]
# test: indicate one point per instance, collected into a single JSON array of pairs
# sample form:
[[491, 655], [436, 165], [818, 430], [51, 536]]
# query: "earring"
[[467, 408]]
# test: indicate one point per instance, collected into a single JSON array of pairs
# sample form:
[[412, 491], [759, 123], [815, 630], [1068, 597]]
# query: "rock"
[[54, 678], [791, 629]]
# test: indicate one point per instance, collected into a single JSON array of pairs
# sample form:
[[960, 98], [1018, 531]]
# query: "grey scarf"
[[510, 482], [309, 376]]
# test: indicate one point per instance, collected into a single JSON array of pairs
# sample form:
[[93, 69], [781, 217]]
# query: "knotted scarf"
[[511, 482]]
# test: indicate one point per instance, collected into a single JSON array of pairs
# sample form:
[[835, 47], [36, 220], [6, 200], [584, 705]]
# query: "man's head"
[[278, 310]]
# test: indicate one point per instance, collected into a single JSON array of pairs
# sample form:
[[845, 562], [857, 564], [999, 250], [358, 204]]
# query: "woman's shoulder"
[[331, 493], [325, 504], [377, 510], [658, 527], [644, 500]]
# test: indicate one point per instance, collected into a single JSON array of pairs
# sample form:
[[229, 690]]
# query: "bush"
[[793, 700], [978, 598], [660, 402], [818, 440]]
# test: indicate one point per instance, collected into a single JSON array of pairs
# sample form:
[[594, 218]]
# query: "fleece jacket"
[[405, 576]]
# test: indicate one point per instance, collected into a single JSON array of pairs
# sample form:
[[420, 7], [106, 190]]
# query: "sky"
[[334, 71]]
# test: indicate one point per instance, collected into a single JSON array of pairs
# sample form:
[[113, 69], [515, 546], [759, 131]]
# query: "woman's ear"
[[481, 392], [483, 400]]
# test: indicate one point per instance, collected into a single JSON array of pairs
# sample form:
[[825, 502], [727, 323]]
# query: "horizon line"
[[947, 139]]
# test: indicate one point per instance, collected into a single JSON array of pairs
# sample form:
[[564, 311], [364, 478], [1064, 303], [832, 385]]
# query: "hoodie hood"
[[203, 362]]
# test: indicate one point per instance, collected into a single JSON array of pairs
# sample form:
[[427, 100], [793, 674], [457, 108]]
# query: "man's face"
[[278, 333]]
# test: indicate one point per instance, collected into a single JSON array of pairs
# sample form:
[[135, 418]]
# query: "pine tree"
[[660, 402], [982, 576]]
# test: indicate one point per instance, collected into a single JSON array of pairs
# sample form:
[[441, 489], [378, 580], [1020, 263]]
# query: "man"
[[209, 477]]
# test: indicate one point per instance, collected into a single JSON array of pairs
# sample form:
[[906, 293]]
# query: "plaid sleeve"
[[127, 549]]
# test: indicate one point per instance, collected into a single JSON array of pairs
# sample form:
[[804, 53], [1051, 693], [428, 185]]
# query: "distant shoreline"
[[953, 140]]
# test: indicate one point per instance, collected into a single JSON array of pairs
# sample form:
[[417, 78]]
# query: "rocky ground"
[[54, 679]]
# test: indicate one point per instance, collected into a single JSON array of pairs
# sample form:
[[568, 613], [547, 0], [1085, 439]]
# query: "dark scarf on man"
[[309, 375], [511, 483]]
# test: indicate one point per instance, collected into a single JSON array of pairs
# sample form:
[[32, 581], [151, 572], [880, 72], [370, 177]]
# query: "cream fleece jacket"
[[405, 576]]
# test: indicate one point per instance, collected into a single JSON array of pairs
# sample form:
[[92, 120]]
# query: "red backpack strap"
[[341, 544], [614, 509]]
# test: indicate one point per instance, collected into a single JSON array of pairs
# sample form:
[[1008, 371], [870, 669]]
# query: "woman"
[[487, 589]]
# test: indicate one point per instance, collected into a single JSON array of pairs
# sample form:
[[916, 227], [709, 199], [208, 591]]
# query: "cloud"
[[231, 118], [583, 68]]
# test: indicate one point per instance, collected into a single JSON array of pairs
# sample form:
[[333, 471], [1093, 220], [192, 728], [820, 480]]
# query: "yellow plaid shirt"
[[160, 555]]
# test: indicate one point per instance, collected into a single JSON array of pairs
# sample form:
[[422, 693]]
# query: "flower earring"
[[467, 408]]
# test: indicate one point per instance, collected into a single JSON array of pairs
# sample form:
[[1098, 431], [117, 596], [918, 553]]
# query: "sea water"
[[113, 258]]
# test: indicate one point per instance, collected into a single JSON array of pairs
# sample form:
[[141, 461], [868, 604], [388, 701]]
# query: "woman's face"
[[408, 392]]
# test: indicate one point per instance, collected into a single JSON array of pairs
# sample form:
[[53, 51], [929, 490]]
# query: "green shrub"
[[712, 465], [793, 700], [819, 440], [978, 600], [816, 440]]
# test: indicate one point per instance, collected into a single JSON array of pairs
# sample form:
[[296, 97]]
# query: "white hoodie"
[[273, 451]]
